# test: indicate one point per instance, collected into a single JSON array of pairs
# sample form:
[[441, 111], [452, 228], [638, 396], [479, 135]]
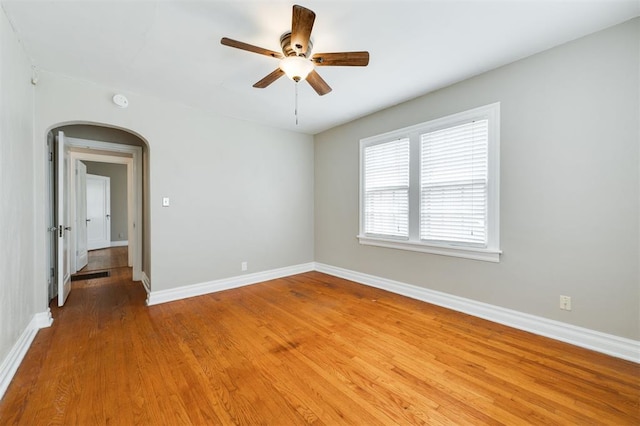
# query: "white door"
[[52, 224], [81, 215], [64, 228], [98, 212]]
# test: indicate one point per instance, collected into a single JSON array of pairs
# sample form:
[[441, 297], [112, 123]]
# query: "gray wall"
[[100, 133], [117, 174], [20, 291], [239, 191], [569, 186]]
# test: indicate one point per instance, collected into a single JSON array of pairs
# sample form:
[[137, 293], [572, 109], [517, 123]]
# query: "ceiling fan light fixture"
[[297, 68]]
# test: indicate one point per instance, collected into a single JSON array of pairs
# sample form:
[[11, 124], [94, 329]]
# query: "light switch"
[[165, 201]]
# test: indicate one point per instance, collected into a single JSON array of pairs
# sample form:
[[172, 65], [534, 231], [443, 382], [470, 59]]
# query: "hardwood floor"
[[304, 349], [113, 257]]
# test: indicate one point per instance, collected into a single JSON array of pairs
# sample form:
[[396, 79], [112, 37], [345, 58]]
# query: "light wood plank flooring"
[[305, 349]]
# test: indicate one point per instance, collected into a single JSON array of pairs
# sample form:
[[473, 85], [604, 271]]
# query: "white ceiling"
[[171, 49]]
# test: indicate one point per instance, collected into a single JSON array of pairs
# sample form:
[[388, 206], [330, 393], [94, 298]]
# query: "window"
[[386, 196], [434, 187]]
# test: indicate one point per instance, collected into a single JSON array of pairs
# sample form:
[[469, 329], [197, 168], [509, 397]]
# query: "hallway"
[[108, 258]]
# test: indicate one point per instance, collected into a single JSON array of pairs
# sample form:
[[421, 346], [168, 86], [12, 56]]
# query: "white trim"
[[162, 296], [146, 282], [119, 243], [17, 353], [609, 344], [464, 252], [42, 319]]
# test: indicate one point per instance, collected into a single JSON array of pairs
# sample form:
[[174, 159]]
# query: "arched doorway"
[[98, 143]]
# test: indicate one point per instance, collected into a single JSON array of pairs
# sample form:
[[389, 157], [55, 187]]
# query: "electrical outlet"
[[244, 266], [565, 303]]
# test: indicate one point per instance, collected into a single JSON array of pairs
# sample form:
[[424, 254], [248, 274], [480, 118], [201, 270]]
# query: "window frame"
[[491, 252]]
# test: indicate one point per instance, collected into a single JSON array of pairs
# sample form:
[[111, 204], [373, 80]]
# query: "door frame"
[[81, 255], [109, 152]]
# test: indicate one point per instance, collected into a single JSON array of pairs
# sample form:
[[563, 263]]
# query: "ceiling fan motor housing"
[[289, 50]]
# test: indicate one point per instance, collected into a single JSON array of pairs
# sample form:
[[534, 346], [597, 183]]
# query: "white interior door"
[[81, 215], [52, 224], [64, 228], [98, 212]]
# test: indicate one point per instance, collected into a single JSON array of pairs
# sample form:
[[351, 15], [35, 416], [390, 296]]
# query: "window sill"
[[485, 255]]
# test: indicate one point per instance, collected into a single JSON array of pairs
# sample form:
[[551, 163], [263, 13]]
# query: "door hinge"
[[53, 272], [50, 156]]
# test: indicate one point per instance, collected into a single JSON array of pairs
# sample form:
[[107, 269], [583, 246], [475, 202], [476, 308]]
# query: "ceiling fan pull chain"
[[296, 106]]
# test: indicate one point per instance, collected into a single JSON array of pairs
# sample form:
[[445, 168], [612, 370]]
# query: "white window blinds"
[[386, 186], [453, 189]]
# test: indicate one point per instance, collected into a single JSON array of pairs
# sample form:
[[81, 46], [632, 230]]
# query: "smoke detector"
[[120, 100]]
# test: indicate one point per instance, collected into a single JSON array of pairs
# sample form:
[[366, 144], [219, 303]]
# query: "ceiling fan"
[[296, 60]]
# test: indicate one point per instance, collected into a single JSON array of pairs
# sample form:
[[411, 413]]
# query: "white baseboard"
[[17, 353], [162, 296], [601, 342], [146, 282], [42, 319], [119, 243]]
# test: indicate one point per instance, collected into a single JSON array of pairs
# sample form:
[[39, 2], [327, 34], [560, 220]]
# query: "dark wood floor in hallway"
[[304, 349], [107, 258]]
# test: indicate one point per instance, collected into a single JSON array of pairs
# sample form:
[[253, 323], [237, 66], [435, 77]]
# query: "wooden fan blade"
[[301, 26], [249, 47], [269, 79], [345, 59], [318, 84]]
